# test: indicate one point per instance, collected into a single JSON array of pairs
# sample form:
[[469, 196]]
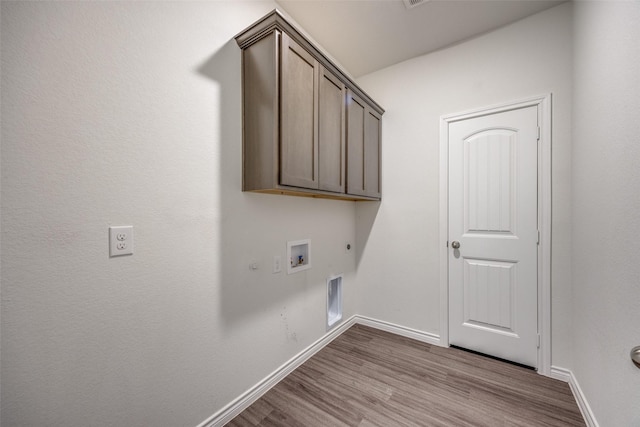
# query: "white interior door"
[[493, 284]]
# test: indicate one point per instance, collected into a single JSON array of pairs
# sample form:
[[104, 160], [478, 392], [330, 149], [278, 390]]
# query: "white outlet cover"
[[121, 240]]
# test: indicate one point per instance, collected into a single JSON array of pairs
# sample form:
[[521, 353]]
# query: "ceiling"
[[368, 35]]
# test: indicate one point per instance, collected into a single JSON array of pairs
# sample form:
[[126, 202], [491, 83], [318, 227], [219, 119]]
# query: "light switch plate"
[[121, 240], [277, 264]]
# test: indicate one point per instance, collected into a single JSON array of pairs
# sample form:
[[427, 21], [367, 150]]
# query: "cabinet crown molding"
[[275, 20]]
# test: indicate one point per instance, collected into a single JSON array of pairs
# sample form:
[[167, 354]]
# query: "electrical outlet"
[[121, 240]]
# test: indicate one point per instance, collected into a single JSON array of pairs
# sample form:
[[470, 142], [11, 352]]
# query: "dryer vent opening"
[[334, 300]]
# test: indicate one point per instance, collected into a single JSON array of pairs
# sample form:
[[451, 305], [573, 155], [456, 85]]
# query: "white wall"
[[606, 202], [129, 114], [398, 268]]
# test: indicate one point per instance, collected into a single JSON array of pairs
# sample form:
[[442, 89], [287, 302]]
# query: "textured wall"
[[606, 202], [128, 113], [398, 267]]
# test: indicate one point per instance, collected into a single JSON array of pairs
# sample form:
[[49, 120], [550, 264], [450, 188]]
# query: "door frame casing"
[[543, 105]]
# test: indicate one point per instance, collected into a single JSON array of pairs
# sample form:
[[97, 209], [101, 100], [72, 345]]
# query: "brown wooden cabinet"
[[299, 116], [331, 132], [298, 134], [363, 136]]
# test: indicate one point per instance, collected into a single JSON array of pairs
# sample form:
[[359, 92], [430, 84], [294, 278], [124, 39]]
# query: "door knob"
[[455, 244], [635, 355]]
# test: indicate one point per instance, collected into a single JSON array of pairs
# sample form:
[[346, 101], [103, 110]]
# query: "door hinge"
[[538, 133], [538, 340], [538, 242]]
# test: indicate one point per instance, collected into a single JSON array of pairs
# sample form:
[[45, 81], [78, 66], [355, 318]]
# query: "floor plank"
[[367, 378]]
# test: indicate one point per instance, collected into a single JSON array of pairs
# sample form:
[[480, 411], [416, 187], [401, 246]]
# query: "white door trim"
[[543, 104]]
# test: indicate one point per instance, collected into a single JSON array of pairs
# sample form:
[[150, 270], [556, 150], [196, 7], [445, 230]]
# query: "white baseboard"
[[245, 400], [567, 376], [399, 330], [561, 374]]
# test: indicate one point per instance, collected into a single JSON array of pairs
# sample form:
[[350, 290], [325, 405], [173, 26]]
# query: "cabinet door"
[[363, 148], [298, 123], [372, 128], [331, 128]]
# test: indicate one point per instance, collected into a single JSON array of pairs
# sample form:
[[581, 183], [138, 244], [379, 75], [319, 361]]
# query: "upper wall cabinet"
[[308, 130], [363, 156]]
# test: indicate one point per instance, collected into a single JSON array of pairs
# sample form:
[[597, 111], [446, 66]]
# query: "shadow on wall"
[[250, 225], [366, 213], [255, 227]]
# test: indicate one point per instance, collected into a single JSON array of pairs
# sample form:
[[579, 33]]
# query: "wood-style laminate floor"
[[367, 377]]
